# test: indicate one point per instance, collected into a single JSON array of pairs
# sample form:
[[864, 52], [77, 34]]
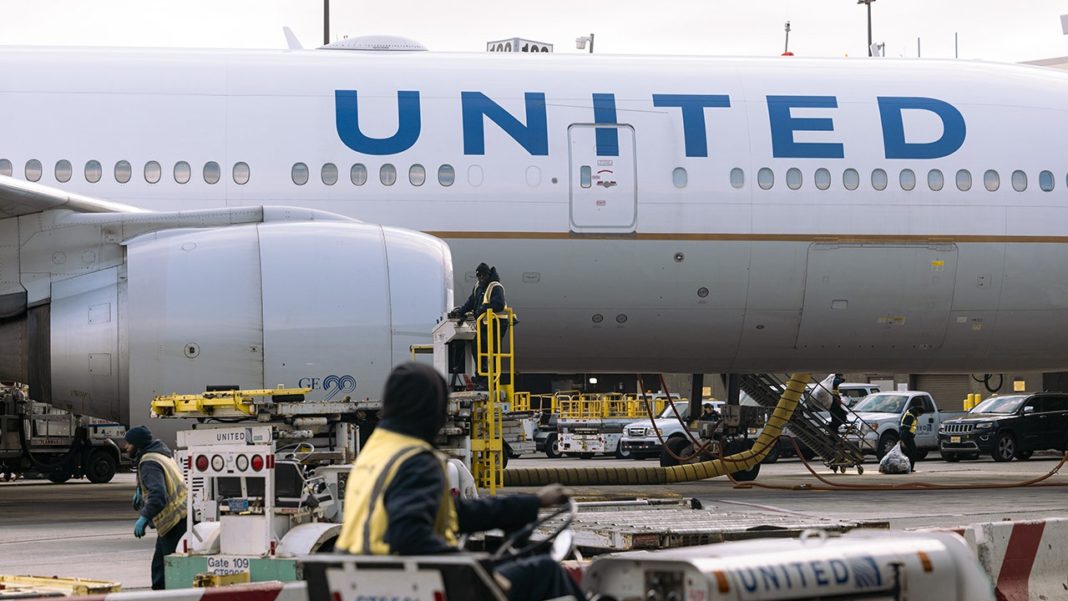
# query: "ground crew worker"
[[487, 294], [398, 502], [160, 496], [909, 422], [837, 409]]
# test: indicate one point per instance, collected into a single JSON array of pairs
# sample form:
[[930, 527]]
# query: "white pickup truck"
[[878, 417]]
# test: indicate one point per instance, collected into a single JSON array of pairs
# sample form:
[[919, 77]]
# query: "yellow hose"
[[604, 476]]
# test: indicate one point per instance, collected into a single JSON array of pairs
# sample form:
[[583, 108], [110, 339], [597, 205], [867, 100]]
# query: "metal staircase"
[[808, 424]]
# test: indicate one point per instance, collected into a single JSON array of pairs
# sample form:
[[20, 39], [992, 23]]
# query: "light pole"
[[868, 2], [580, 42], [326, 22]]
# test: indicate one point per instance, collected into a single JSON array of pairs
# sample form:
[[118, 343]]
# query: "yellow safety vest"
[[909, 424], [173, 510], [363, 531], [489, 289]]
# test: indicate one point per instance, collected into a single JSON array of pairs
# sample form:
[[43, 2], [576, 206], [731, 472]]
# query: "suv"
[[1007, 427]]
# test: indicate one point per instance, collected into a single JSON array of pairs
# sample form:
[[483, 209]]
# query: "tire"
[[1024, 455], [622, 454], [774, 454], [101, 466], [677, 445], [1004, 448], [59, 477], [886, 442], [552, 446], [737, 446], [951, 457]]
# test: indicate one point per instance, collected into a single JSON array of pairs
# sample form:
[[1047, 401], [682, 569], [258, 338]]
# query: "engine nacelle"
[[326, 305]]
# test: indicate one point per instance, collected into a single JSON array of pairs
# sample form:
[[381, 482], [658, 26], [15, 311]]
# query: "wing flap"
[[18, 197]]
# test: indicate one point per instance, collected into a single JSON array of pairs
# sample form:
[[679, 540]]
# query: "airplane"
[[675, 214]]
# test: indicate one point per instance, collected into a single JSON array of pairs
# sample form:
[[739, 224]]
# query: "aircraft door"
[[603, 189]]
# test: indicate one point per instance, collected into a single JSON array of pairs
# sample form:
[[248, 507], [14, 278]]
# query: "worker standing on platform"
[[160, 496], [487, 294], [909, 422], [397, 501]]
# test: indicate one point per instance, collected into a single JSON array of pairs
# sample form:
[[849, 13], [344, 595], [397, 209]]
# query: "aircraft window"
[[533, 176], [964, 180], [822, 178], [34, 170], [212, 172], [123, 172], [1019, 180], [1045, 181], [793, 178], [358, 174], [93, 171], [851, 179], [935, 180], [5, 167], [907, 179], [182, 172], [328, 174], [737, 177], [299, 174], [241, 173], [417, 175], [153, 172], [765, 178], [879, 179], [64, 170], [475, 175], [992, 180], [446, 175], [679, 177], [387, 175]]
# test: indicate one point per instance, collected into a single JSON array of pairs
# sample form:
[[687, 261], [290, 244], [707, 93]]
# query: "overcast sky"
[[1001, 30]]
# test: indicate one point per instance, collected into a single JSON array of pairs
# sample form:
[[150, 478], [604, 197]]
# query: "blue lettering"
[[534, 136], [604, 111], [348, 124], [749, 579], [953, 128], [800, 572], [818, 571], [783, 126], [693, 117], [308, 383], [770, 578], [786, 574], [840, 571]]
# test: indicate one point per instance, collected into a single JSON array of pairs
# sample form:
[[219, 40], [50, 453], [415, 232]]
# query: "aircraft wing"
[[18, 197]]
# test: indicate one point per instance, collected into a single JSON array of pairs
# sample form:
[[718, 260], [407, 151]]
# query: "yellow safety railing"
[[521, 402], [494, 359]]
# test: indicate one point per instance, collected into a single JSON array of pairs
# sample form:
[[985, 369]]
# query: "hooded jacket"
[[496, 296], [414, 404]]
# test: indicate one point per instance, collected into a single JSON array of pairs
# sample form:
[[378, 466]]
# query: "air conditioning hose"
[[605, 476]]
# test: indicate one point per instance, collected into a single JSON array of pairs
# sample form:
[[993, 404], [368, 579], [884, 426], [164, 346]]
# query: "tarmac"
[[85, 530]]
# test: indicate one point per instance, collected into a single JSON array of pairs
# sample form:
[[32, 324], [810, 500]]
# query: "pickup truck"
[[875, 427], [639, 440]]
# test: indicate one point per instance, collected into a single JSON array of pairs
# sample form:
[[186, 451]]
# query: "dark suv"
[[1008, 426]]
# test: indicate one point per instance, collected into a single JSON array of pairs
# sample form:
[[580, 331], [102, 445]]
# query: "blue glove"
[[137, 503], [139, 527]]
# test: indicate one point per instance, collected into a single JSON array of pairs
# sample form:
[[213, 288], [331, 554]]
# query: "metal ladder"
[[807, 425]]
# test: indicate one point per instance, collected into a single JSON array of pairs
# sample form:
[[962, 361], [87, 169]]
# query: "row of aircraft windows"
[[387, 174], [906, 179], [94, 171]]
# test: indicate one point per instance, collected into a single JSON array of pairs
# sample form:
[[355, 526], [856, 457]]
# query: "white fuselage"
[[628, 246]]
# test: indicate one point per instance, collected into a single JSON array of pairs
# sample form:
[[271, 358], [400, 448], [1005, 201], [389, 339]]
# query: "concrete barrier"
[[1026, 561]]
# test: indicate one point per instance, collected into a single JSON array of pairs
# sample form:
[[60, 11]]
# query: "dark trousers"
[[838, 417], [908, 446], [165, 545], [538, 578]]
